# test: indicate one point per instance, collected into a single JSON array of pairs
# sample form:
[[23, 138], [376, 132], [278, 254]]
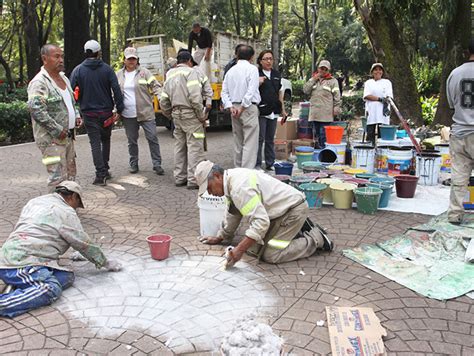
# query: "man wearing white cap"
[[279, 230], [96, 82], [47, 227], [325, 101]]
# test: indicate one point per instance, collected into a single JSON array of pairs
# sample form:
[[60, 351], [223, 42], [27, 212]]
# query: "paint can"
[[428, 167], [212, 211], [339, 150], [399, 160], [443, 149], [364, 157], [381, 159]]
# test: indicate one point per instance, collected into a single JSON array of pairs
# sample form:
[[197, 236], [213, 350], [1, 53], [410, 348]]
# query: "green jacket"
[[49, 115]]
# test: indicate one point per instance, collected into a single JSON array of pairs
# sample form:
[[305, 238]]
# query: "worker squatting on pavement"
[[54, 116], [47, 227], [279, 230], [182, 100]]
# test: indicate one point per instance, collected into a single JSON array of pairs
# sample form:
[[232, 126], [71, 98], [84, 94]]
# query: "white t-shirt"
[[70, 107], [374, 109], [129, 95]]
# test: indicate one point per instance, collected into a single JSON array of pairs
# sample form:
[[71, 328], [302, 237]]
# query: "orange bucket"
[[159, 246], [334, 134]]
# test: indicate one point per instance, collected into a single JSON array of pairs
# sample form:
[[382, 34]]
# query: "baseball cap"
[[92, 46], [72, 187], [325, 63], [185, 55], [130, 52], [201, 173], [376, 65]]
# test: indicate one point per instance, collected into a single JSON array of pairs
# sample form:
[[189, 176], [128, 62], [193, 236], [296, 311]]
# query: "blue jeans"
[[35, 287], [319, 133]]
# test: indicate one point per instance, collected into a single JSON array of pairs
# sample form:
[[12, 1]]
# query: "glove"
[[113, 266], [76, 256], [386, 108]]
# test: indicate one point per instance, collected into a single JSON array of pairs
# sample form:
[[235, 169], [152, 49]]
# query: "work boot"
[[192, 186], [133, 169], [101, 181], [160, 171], [181, 184], [108, 175]]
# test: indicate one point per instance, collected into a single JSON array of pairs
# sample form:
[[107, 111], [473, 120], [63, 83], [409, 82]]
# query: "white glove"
[[76, 256], [113, 266]]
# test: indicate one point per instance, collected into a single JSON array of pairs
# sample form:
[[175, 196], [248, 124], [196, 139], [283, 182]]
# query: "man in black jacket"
[[203, 38], [96, 82]]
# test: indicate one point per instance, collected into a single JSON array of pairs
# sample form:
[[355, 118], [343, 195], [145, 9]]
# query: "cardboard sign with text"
[[355, 331]]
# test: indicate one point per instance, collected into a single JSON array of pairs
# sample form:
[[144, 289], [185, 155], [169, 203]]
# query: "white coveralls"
[[273, 208], [181, 99]]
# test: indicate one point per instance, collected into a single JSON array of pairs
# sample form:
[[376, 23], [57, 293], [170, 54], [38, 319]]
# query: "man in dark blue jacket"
[[96, 82]]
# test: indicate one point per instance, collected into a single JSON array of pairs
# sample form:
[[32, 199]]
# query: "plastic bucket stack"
[[312, 166], [295, 181], [388, 132], [159, 246], [342, 195], [334, 134], [405, 185], [367, 199], [283, 168], [303, 154], [314, 194], [304, 128]]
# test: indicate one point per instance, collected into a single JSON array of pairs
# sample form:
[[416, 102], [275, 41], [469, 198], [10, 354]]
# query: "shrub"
[[352, 106], [427, 76], [19, 94], [298, 94], [428, 108], [15, 123]]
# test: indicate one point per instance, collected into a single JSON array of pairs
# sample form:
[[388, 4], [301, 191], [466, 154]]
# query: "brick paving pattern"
[[185, 304]]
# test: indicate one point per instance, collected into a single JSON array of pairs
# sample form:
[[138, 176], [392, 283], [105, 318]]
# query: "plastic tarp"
[[429, 258]]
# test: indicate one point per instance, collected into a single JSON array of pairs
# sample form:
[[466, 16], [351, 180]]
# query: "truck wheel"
[[287, 102]]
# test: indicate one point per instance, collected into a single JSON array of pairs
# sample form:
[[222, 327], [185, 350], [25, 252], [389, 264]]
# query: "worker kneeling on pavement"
[[279, 229], [47, 227]]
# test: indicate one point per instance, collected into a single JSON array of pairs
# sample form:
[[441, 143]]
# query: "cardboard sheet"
[[355, 331]]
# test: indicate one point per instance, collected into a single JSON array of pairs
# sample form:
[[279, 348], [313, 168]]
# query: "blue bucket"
[[283, 168], [316, 154], [314, 193], [386, 193], [388, 132]]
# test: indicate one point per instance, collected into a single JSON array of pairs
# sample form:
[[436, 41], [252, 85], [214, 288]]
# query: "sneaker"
[[181, 184], [133, 169], [328, 244], [269, 168], [100, 181], [160, 171], [192, 186]]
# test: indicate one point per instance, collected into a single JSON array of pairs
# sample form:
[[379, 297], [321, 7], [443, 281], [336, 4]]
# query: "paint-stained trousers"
[[245, 130], [462, 164], [34, 287], [60, 162], [189, 145]]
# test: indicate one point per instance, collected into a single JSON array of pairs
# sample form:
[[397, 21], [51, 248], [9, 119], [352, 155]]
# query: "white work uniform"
[[272, 207], [374, 109]]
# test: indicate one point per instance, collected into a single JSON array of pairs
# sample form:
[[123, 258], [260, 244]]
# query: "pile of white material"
[[248, 337]]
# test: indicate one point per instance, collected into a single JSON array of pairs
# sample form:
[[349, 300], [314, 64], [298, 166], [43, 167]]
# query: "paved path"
[[186, 303]]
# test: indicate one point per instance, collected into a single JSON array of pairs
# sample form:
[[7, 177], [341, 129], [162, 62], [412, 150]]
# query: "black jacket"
[[203, 39], [96, 82], [270, 93]]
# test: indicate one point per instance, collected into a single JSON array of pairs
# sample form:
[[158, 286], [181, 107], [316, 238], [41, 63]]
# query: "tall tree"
[[275, 35], [235, 9], [76, 31], [32, 42], [458, 33], [389, 48]]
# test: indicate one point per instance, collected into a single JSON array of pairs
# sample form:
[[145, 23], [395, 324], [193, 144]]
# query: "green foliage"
[[427, 75], [19, 94], [297, 86], [15, 123], [352, 105], [428, 108]]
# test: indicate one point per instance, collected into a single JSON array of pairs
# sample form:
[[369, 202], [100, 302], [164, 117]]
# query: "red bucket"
[[334, 134], [159, 246]]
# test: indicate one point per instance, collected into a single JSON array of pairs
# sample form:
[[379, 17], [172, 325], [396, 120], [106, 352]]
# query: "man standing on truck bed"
[[203, 38]]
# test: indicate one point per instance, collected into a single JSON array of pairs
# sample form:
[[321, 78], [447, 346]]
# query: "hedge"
[[15, 123]]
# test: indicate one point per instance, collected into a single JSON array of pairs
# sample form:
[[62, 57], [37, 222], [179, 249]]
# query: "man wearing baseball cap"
[[47, 227], [279, 228], [96, 82]]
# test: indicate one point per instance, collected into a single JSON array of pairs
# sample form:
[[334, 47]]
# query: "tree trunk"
[[76, 32], [457, 38], [33, 62], [275, 36], [236, 15], [8, 73], [388, 48], [103, 30], [131, 16]]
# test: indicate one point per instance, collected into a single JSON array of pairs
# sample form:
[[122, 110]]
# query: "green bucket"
[[367, 199]]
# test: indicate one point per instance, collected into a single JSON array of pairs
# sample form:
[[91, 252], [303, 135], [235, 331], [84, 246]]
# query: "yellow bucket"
[[342, 195], [327, 196]]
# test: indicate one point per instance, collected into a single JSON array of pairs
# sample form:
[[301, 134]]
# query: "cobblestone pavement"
[[186, 303]]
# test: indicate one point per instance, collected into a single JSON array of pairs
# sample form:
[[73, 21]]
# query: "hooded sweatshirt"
[[96, 82]]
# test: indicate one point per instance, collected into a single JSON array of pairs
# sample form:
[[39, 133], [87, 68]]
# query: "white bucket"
[[399, 161], [428, 167], [339, 149], [381, 159], [443, 149], [363, 157], [212, 211]]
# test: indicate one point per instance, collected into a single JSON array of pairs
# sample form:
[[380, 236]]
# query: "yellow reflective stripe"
[[253, 180], [192, 83], [335, 90], [198, 134], [150, 80], [278, 244], [164, 95], [141, 81], [178, 72], [326, 88], [51, 160], [251, 204]]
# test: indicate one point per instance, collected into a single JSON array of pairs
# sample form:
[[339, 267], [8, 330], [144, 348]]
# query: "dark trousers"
[[319, 133], [99, 138], [371, 131], [267, 135]]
